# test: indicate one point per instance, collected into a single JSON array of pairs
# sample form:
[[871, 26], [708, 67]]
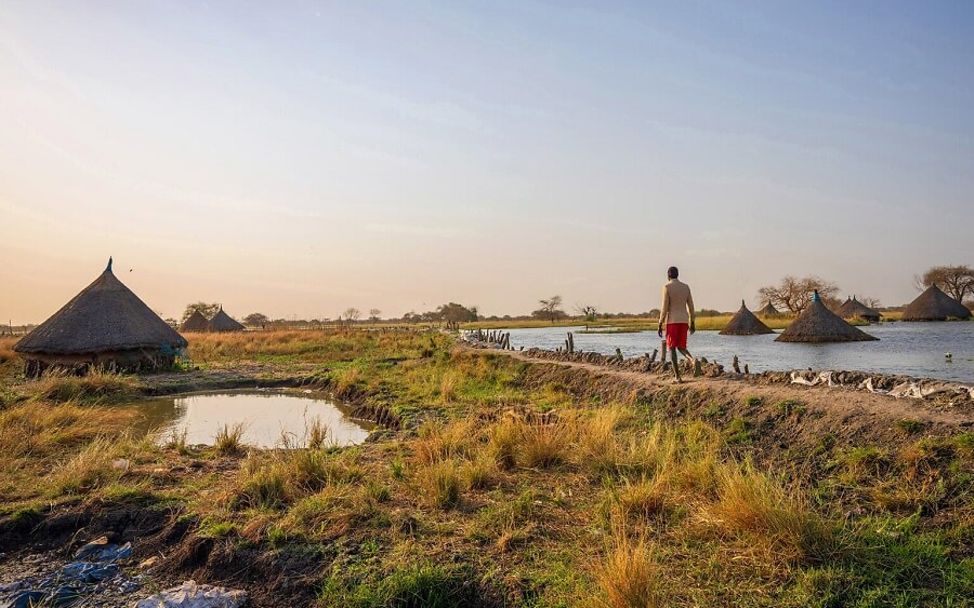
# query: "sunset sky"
[[300, 158]]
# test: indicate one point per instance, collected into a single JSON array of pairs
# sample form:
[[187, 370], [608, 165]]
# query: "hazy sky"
[[300, 158]]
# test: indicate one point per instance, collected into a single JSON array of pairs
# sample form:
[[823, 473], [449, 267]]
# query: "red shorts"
[[676, 335]]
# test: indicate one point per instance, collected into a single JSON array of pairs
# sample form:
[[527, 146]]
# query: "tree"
[[350, 315], [374, 314], [454, 313], [795, 294], [550, 309], [873, 303], [589, 312], [256, 319], [956, 281], [207, 310]]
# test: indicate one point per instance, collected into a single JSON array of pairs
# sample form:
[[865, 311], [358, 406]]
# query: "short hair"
[[672, 272]]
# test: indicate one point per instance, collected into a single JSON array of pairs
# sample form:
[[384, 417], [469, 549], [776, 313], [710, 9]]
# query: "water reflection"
[[267, 416]]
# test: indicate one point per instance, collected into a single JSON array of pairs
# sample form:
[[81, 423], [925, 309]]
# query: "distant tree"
[[454, 313], [588, 312], [873, 303], [256, 319], [350, 315], [207, 310], [956, 281], [654, 313], [374, 314], [412, 317], [550, 309], [795, 294], [172, 322]]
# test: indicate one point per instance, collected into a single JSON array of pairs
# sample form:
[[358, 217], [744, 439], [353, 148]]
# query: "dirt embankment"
[[780, 419]]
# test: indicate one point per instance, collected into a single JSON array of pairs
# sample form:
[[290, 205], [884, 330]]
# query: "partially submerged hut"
[[195, 322], [744, 323], [854, 309], [819, 324], [934, 305], [769, 311], [105, 326], [221, 321]]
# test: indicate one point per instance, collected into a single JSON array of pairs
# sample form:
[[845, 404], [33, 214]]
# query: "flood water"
[[268, 417], [913, 349]]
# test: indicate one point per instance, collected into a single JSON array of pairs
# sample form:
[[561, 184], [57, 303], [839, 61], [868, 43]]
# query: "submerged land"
[[498, 480]]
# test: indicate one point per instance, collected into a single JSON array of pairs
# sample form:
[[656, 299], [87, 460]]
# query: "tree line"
[[791, 294]]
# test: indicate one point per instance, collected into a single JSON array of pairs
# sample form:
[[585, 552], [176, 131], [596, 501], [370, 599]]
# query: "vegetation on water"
[[509, 487]]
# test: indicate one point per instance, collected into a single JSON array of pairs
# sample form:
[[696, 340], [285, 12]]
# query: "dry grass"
[[229, 439], [95, 387], [440, 484], [629, 576]]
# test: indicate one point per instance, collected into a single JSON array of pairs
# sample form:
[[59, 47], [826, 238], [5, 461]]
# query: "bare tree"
[[589, 312], [795, 294], [351, 315], [956, 281], [550, 309], [374, 314]]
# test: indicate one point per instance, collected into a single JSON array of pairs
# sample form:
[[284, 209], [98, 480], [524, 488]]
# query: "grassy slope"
[[484, 498]]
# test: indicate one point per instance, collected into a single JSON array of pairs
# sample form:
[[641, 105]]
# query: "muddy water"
[[913, 349], [270, 418]]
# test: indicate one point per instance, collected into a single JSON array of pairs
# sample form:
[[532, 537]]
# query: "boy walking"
[[677, 316]]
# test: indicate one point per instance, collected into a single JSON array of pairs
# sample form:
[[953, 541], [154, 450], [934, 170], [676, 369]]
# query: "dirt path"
[[839, 403]]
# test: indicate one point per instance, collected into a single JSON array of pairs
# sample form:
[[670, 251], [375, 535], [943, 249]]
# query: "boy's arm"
[[663, 311], [693, 315]]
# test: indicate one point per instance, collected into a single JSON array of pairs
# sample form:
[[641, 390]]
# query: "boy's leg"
[[676, 365]]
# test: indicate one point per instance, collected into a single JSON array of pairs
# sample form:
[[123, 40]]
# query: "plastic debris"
[[192, 595]]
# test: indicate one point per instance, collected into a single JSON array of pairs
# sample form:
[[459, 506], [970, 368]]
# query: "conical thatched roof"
[[106, 316], [819, 324], [195, 322], [769, 310], [934, 305], [744, 323], [854, 309], [221, 321]]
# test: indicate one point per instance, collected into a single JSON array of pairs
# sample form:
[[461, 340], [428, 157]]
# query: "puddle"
[[270, 418]]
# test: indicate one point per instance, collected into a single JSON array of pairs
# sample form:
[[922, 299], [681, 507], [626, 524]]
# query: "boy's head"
[[672, 272]]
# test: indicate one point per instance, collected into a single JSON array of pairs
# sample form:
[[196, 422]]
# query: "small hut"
[[934, 305], [769, 311], [221, 321], [195, 322], [744, 323], [819, 324], [854, 309], [105, 326]]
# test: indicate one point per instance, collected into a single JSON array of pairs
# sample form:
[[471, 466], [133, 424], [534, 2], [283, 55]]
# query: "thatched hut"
[[221, 321], [819, 324], [744, 323], [105, 326], [854, 309], [934, 305], [769, 311], [195, 322]]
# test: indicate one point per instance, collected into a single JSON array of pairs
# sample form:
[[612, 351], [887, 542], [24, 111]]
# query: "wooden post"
[[746, 370], [736, 364], [652, 359], [571, 343], [697, 368]]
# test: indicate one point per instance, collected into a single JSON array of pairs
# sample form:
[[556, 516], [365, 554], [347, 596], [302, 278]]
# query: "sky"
[[299, 158]]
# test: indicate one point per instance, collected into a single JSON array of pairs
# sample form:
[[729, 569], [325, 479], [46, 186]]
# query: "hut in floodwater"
[[854, 309], [744, 323], [934, 305], [769, 311], [195, 322], [105, 326], [819, 324], [221, 322]]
